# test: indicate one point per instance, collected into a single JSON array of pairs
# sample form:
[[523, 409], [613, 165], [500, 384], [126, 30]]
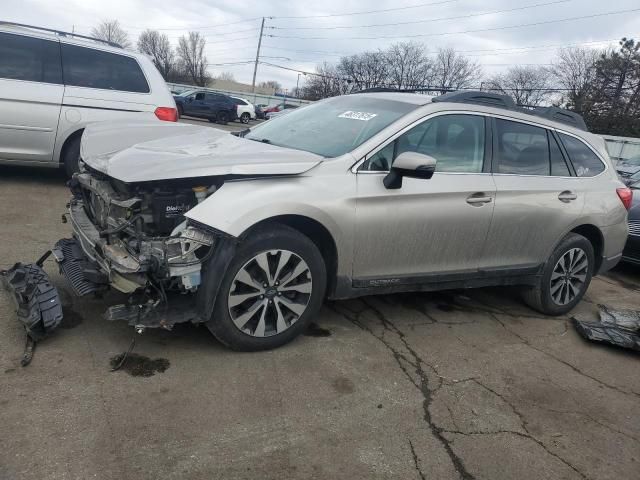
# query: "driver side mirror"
[[190, 99], [409, 164]]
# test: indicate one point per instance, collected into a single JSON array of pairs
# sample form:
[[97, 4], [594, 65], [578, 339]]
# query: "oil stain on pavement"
[[140, 365]]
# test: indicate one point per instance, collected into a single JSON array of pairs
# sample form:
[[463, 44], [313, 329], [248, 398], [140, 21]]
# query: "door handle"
[[567, 196], [478, 199]]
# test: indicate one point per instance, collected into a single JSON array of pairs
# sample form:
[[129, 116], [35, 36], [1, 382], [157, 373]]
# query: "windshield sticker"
[[364, 116]]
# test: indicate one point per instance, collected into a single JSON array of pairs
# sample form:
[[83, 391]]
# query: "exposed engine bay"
[[138, 233]]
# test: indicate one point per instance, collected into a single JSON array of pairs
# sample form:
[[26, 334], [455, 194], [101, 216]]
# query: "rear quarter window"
[[585, 162], [31, 59], [87, 67]]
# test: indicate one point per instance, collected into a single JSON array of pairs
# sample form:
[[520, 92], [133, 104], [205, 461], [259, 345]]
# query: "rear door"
[[537, 198], [30, 97]]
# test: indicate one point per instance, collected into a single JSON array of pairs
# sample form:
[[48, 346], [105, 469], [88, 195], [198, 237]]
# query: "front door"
[[427, 228]]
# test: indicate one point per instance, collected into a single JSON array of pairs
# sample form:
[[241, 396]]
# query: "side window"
[[32, 59], [87, 67], [559, 167], [199, 96], [455, 141], [586, 163], [521, 149]]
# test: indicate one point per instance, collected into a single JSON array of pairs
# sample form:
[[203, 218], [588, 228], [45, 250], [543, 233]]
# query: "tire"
[[180, 111], [544, 296], [245, 117], [260, 332], [71, 157], [222, 117]]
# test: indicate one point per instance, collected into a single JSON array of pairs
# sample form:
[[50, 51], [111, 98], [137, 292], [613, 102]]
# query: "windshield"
[[634, 161], [332, 127], [186, 93]]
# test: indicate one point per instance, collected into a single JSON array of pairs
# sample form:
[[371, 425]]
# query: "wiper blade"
[[262, 140]]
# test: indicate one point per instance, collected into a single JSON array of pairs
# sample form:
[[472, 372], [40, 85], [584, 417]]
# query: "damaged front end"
[[135, 239], [132, 238]]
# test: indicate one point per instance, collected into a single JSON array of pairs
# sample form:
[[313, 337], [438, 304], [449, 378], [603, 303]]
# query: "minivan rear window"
[[87, 67], [27, 58]]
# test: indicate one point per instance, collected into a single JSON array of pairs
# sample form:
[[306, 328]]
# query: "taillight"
[[167, 114], [626, 196]]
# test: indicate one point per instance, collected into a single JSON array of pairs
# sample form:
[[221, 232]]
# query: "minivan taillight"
[[626, 196], [167, 114]]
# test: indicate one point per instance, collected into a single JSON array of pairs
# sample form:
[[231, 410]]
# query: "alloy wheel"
[[569, 276], [270, 293]]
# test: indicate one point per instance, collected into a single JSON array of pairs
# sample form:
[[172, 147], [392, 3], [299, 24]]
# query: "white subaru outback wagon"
[[354, 195], [53, 84]]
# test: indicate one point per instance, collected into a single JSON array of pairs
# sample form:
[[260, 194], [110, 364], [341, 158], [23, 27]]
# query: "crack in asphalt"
[[422, 382], [523, 424], [416, 461], [526, 342]]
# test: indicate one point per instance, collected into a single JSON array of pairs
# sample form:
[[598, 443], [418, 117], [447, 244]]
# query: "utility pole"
[[255, 67]]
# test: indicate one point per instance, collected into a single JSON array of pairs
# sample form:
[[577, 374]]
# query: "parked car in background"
[[279, 109], [53, 84], [631, 251], [215, 107], [260, 114], [628, 168], [245, 109], [350, 196]]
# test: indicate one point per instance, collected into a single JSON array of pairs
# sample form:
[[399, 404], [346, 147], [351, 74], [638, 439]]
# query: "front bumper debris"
[[37, 301], [617, 327], [83, 276]]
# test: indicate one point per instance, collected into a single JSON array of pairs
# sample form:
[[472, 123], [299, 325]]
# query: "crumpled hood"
[[147, 151]]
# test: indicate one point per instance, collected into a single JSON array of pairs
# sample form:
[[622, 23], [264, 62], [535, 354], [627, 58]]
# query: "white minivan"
[[53, 84]]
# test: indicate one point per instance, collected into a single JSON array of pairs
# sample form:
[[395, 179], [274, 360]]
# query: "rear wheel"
[[271, 290], [245, 117], [222, 117], [71, 156], [565, 278]]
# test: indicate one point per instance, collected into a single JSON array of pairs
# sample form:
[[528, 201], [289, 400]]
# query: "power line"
[[546, 22], [366, 12], [457, 17]]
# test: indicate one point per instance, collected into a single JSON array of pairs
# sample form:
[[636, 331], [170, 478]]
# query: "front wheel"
[[245, 117], [71, 157], [271, 290], [565, 278]]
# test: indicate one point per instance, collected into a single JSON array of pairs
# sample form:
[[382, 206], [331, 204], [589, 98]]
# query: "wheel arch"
[[63, 150], [595, 237], [316, 232]]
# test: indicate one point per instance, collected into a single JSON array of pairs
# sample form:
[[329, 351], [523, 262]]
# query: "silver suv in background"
[[350, 196], [53, 84]]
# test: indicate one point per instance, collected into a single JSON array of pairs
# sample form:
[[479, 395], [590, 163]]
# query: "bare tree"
[[111, 31], [454, 71], [575, 70], [325, 83], [527, 85], [271, 84], [226, 77], [192, 58], [365, 70], [409, 65], [157, 46]]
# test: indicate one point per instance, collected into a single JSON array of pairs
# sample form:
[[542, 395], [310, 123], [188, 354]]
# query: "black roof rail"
[[560, 115], [60, 32], [481, 98], [505, 101]]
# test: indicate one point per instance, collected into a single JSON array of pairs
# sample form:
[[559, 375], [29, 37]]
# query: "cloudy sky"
[[299, 35]]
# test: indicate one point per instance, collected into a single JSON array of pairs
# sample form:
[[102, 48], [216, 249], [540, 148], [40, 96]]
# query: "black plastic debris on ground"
[[618, 327]]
